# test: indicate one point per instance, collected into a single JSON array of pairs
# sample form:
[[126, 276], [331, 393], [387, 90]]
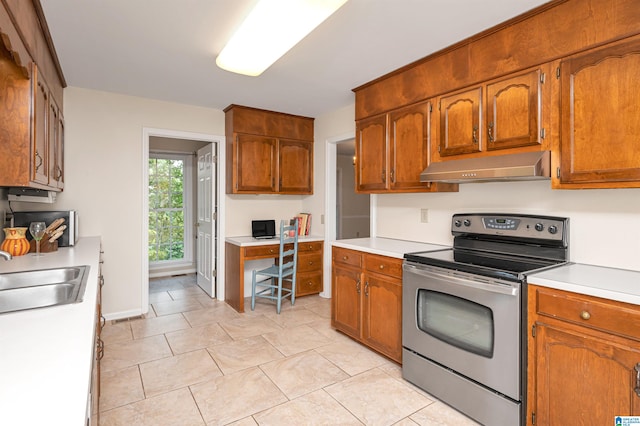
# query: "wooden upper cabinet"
[[513, 111], [409, 145], [600, 128], [371, 154], [268, 152], [256, 163], [460, 117], [393, 149], [296, 166]]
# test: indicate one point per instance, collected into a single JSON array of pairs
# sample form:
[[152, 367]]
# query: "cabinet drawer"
[[347, 257], [308, 283], [309, 262], [612, 317], [262, 251], [310, 246], [383, 265]]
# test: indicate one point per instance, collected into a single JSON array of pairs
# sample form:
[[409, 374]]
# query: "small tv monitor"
[[263, 229]]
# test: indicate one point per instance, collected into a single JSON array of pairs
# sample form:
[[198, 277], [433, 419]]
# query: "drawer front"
[[612, 317], [383, 265], [308, 283], [309, 262], [347, 257], [311, 246], [262, 251]]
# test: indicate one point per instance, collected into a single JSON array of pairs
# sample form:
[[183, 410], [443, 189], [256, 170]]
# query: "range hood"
[[496, 168]]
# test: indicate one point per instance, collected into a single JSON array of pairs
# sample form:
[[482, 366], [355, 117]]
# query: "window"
[[169, 212]]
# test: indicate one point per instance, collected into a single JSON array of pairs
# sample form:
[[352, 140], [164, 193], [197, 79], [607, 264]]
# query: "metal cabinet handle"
[[585, 315], [637, 388], [311, 262], [384, 176], [490, 132], [39, 158], [475, 134], [345, 257], [358, 286], [393, 176], [366, 288], [381, 266]]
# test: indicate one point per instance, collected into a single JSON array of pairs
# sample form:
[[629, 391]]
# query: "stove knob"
[[467, 222], [553, 229], [539, 227], [457, 223]]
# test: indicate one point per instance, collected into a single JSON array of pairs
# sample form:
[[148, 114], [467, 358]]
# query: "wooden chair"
[[267, 283]]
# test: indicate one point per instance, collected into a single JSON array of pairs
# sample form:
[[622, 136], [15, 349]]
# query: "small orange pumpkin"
[[15, 242]]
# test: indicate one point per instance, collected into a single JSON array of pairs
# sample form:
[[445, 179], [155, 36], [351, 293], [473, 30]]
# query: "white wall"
[[103, 178], [604, 224]]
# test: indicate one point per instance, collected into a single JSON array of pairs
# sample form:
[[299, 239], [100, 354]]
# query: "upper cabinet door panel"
[[296, 166], [460, 131], [40, 153], [600, 128], [256, 168], [513, 112], [371, 154], [409, 145]]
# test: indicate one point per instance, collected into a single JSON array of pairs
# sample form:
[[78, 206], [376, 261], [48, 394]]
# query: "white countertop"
[[46, 353], [245, 241], [386, 246], [610, 283]]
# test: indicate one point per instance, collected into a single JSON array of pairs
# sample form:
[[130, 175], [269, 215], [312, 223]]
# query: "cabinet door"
[[382, 315], [513, 111], [345, 297], [256, 164], [371, 154], [460, 117], [55, 135], [583, 378], [40, 146], [600, 98], [296, 167], [409, 146]]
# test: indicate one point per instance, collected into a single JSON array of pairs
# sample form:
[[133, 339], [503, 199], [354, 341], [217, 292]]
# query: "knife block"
[[45, 245]]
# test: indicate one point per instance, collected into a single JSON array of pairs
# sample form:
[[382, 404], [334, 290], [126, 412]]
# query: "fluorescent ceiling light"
[[271, 29]]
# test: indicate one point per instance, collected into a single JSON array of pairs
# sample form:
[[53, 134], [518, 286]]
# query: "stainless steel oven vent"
[[510, 167]]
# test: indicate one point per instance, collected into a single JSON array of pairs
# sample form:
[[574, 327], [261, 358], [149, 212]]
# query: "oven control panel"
[[523, 226]]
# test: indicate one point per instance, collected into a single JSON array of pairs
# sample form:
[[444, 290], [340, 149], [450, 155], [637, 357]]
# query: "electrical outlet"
[[321, 219], [424, 215]]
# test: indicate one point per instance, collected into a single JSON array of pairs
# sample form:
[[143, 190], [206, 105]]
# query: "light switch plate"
[[424, 215]]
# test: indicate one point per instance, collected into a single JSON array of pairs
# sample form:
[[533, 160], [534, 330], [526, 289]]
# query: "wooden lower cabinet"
[[584, 353], [309, 269], [367, 299]]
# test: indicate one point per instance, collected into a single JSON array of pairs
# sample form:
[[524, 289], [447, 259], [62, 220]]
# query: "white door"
[[206, 237]]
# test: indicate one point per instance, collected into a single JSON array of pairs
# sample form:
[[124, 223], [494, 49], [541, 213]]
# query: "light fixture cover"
[[270, 30]]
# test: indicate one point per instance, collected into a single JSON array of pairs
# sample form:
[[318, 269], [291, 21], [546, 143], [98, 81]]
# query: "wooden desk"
[[238, 250]]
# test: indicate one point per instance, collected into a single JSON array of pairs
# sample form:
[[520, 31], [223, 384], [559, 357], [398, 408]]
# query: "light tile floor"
[[196, 361]]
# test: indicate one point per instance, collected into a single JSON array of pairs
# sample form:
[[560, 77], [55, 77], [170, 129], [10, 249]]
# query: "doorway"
[[353, 210], [197, 220]]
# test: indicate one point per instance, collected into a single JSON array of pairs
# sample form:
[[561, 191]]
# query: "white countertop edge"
[[621, 285], [247, 241], [46, 354], [387, 246]]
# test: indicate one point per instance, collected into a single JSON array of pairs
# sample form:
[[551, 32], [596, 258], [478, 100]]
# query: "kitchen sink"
[[41, 288]]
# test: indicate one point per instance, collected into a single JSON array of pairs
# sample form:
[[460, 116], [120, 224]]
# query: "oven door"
[[464, 322]]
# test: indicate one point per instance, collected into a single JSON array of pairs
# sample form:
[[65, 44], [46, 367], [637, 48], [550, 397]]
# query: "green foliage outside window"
[[166, 209]]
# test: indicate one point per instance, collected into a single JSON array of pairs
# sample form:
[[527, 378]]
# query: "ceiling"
[[166, 49]]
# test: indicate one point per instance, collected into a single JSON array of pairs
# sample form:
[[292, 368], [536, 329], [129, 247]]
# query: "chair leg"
[[253, 291], [279, 295]]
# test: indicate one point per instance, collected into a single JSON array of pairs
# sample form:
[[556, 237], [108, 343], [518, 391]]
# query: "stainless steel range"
[[464, 312]]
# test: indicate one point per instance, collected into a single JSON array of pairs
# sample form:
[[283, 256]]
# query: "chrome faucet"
[[7, 256]]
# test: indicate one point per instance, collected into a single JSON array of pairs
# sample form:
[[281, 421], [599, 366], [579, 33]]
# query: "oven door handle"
[[503, 287]]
